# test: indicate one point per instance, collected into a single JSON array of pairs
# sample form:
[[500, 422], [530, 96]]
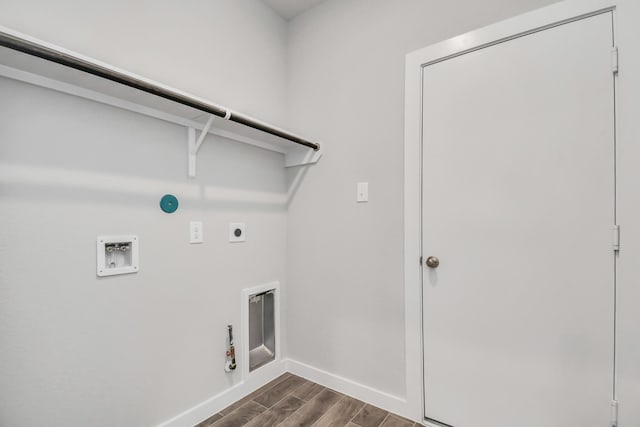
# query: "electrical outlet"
[[196, 234], [237, 232]]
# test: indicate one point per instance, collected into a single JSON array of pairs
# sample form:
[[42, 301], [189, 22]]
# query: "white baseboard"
[[216, 403], [386, 401], [264, 375]]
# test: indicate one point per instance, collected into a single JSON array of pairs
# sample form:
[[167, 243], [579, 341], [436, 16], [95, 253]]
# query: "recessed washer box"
[[116, 255]]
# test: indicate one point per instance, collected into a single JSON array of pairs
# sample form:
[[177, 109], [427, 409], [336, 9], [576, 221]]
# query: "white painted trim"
[[555, 14], [244, 311], [386, 401], [415, 61], [413, 240], [271, 371], [216, 403]]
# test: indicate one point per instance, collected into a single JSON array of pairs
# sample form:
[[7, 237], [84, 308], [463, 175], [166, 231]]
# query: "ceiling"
[[289, 9]]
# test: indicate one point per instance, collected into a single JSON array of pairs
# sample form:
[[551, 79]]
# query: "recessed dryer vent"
[[262, 329]]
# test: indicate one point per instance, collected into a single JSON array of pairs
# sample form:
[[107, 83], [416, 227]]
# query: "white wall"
[[231, 52], [133, 350], [137, 350], [346, 61]]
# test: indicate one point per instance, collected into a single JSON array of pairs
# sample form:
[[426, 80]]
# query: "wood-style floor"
[[290, 401]]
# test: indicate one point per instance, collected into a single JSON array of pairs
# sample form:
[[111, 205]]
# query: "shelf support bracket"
[[194, 145]]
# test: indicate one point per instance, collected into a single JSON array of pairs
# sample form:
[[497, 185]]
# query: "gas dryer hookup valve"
[[230, 365]]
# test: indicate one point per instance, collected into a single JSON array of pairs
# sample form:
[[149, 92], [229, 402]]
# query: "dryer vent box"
[[117, 255], [262, 329]]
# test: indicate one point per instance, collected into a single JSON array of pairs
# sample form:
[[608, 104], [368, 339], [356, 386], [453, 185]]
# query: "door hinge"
[[614, 413], [616, 238], [614, 59]]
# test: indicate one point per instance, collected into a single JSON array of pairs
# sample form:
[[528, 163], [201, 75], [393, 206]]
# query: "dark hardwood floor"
[[291, 401]]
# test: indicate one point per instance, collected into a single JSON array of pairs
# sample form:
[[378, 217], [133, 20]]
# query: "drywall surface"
[[346, 87], [137, 349], [232, 52], [133, 350]]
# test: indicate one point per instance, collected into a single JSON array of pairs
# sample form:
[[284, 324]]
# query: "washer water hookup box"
[[116, 255]]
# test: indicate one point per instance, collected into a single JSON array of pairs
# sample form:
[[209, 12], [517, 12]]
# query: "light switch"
[[195, 232], [363, 192]]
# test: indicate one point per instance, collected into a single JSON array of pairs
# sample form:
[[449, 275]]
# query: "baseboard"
[[216, 403], [367, 394], [264, 375]]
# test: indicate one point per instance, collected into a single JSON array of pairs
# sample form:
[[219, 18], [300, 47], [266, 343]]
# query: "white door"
[[518, 206]]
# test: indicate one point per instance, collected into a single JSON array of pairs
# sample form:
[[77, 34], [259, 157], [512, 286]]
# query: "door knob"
[[432, 262]]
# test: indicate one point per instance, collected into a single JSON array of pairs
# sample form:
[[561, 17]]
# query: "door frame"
[[538, 20]]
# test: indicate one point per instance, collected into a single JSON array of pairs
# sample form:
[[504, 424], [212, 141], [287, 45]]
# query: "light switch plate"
[[237, 232], [196, 232], [363, 192]]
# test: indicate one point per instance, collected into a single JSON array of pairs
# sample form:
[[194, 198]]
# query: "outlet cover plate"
[[196, 232], [237, 232]]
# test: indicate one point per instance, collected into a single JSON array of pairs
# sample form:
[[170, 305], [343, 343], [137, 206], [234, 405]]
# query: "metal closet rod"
[[52, 55]]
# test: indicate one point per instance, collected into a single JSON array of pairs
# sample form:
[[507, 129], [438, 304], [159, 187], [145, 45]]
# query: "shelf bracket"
[[194, 145], [301, 157]]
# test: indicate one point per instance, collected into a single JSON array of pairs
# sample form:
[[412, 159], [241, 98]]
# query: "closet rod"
[[40, 51]]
